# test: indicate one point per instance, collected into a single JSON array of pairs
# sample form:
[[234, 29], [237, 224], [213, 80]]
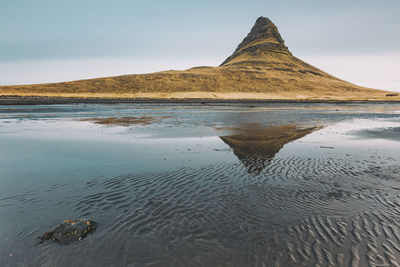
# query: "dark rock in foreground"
[[69, 231]]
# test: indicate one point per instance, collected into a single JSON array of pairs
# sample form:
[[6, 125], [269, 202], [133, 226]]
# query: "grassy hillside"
[[260, 68]]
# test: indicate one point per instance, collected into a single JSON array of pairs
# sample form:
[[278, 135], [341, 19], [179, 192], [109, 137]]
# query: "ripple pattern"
[[298, 211]]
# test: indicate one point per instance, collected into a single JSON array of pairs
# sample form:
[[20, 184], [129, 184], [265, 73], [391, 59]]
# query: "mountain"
[[264, 47], [264, 39], [261, 67]]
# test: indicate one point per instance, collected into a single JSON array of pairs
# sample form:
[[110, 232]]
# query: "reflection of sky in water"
[[39, 159], [40, 147], [342, 139]]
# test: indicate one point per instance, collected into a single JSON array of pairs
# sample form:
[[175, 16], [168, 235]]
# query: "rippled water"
[[202, 185]]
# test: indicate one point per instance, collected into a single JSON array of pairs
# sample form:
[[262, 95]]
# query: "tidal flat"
[[202, 184]]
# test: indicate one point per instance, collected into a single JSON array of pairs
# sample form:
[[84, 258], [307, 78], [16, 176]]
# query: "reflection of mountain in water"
[[254, 148]]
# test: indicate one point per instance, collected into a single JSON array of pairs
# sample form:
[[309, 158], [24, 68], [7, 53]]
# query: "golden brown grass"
[[125, 121], [262, 76]]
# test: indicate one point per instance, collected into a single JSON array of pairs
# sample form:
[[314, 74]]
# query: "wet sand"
[[389, 133], [201, 187]]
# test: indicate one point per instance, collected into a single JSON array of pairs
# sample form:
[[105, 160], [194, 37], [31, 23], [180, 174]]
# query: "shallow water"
[[203, 184]]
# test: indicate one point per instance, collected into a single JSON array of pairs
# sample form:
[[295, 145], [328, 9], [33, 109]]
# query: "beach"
[[178, 184]]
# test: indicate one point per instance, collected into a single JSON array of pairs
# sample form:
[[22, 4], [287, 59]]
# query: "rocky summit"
[[264, 38], [264, 47], [261, 67]]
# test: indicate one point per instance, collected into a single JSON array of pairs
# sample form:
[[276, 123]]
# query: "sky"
[[50, 41]]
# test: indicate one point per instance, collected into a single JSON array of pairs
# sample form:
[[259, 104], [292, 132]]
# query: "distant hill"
[[261, 67]]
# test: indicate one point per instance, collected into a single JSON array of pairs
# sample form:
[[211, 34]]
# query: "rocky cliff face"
[[264, 38]]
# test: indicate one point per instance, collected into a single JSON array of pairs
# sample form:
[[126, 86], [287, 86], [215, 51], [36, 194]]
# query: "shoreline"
[[54, 100]]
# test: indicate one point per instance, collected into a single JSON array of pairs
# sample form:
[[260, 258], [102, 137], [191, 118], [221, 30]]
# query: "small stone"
[[69, 231]]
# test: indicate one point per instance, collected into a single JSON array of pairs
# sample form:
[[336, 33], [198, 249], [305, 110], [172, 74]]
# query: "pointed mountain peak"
[[264, 28], [263, 38]]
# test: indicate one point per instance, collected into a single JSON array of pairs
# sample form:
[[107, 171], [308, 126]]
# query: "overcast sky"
[[47, 40]]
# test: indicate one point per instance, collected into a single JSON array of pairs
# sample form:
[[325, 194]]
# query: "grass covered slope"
[[261, 67]]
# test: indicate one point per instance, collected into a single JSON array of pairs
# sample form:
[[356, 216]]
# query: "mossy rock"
[[69, 231]]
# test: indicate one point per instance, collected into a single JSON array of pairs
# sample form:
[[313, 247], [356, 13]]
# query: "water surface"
[[202, 185]]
